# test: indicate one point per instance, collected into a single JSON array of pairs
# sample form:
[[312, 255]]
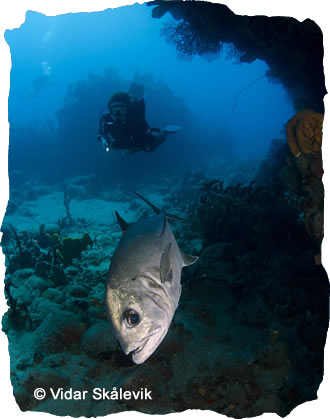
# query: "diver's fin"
[[156, 209], [157, 130], [122, 223], [172, 129], [188, 259]]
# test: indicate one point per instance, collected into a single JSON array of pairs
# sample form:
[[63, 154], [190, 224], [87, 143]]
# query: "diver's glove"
[[104, 142]]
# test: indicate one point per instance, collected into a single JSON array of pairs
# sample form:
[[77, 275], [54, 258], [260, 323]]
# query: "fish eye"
[[132, 318]]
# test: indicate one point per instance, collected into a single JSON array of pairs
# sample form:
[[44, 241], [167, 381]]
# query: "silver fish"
[[144, 284]]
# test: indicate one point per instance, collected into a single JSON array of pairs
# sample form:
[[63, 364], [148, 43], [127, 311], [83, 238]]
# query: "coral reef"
[[271, 39], [71, 247], [304, 132], [247, 336], [83, 187], [304, 136], [256, 252], [249, 333]]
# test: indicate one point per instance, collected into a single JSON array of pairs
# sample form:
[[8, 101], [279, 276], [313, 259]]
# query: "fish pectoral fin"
[[169, 276], [166, 271], [188, 259]]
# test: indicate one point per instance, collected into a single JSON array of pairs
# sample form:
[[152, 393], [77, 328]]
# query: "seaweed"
[[48, 252], [252, 216], [22, 253]]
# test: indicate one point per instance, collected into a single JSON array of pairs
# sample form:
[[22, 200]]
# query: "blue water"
[[233, 112], [253, 309]]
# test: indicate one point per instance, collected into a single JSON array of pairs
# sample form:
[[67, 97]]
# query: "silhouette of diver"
[[124, 127]]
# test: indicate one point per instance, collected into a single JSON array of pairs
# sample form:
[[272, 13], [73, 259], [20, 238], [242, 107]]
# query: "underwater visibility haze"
[[59, 67], [230, 116]]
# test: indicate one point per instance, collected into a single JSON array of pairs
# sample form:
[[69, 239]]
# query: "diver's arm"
[[106, 144], [104, 133]]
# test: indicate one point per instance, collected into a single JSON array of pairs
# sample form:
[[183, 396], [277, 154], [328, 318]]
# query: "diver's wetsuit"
[[134, 134]]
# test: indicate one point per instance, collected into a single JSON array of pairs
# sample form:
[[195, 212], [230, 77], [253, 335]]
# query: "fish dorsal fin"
[[156, 209], [188, 259], [166, 271], [173, 217], [122, 223]]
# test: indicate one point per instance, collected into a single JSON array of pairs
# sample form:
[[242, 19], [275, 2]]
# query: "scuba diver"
[[124, 127]]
